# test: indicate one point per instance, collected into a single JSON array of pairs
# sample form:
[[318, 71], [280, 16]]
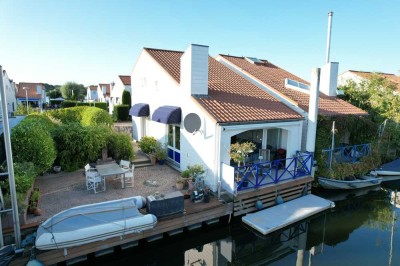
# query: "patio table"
[[112, 169]]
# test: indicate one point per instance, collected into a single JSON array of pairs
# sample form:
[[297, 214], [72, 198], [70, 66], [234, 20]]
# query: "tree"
[[126, 98], [73, 91], [55, 93]]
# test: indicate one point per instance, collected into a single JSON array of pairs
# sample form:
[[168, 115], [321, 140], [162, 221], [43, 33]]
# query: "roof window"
[[290, 83], [254, 60]]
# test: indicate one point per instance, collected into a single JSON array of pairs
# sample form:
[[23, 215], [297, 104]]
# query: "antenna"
[[328, 39]]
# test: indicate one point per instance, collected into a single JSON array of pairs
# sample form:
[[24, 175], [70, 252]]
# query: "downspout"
[[217, 163]]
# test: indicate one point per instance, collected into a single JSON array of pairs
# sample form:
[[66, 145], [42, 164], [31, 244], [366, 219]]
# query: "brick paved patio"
[[65, 190]]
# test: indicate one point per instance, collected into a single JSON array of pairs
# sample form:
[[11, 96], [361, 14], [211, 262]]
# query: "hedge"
[[126, 98], [120, 146], [66, 104], [33, 143], [95, 116], [101, 105], [40, 120], [121, 112], [82, 114], [78, 145]]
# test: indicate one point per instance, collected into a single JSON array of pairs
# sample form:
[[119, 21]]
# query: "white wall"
[[10, 93], [329, 79], [116, 94], [343, 78]]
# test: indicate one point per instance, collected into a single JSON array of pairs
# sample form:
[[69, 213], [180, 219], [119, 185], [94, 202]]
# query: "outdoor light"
[[26, 93]]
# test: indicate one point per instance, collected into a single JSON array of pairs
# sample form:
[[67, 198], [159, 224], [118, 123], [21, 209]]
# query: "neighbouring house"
[[10, 90], [91, 93], [360, 76], [122, 84], [199, 106], [103, 92], [33, 93], [292, 90]]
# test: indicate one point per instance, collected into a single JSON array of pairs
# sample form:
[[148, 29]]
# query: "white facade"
[[91, 93], [10, 90], [152, 85], [347, 76], [116, 94]]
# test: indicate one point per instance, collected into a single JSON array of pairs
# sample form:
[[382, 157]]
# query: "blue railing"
[[272, 172], [347, 154]]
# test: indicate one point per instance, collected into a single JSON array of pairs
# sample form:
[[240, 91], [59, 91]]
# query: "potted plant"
[[180, 182], [34, 202], [148, 145], [238, 153], [194, 171], [161, 153]]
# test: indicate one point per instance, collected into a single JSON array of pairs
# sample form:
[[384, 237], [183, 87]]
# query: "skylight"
[[254, 60], [290, 83]]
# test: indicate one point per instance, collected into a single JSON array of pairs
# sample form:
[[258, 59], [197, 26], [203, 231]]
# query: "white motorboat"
[[94, 222], [365, 181], [388, 169]]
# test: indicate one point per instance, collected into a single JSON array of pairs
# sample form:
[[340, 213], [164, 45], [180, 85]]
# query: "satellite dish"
[[192, 122]]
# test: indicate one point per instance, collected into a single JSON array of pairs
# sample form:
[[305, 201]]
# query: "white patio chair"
[[93, 179], [130, 174]]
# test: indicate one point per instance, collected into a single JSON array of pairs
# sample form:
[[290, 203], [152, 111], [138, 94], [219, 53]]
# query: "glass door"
[[174, 144]]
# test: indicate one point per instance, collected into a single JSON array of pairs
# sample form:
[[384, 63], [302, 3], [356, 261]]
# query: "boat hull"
[[95, 222], [328, 183]]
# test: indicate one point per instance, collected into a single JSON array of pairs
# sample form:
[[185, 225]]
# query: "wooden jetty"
[[195, 214]]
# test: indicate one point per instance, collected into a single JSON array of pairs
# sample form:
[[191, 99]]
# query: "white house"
[[33, 93], [360, 76], [10, 89], [103, 92], [199, 107], [91, 93], [122, 84]]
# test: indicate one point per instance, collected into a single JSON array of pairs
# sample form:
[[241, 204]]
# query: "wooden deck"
[[245, 201], [195, 213]]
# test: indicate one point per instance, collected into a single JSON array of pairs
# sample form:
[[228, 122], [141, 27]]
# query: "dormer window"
[[103, 87]]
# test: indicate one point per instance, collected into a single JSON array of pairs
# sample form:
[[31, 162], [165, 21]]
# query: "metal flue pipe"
[[328, 39]]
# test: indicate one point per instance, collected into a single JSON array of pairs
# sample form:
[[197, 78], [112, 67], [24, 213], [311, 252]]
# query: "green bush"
[[120, 146], [121, 112], [126, 98], [24, 174], [67, 104], [40, 120], [82, 104], [95, 116], [81, 114], [101, 105], [77, 145], [33, 143], [148, 144]]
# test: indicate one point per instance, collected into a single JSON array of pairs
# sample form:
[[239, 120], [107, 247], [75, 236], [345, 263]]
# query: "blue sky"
[[90, 42]]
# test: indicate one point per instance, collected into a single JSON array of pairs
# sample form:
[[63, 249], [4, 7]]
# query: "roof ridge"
[[163, 50], [372, 72]]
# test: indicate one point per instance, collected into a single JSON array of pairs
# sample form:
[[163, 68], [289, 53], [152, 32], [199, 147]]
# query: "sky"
[[94, 41]]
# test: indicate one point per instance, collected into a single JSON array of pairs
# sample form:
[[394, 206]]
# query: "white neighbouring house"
[[360, 76], [10, 89], [91, 93], [34, 93], [170, 86], [122, 84], [103, 92]]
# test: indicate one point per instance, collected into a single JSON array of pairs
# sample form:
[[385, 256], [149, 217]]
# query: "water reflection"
[[361, 230]]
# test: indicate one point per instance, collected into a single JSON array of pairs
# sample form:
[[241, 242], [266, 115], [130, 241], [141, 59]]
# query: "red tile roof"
[[32, 92], [274, 77], [93, 87], [391, 77], [126, 80], [231, 98]]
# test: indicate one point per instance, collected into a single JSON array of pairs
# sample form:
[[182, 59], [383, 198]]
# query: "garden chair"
[[130, 173], [93, 179]]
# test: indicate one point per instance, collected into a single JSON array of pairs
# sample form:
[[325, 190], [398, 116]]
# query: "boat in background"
[[365, 181], [94, 222], [388, 169]]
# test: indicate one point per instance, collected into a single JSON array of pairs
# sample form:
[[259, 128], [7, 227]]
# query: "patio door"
[[174, 144]]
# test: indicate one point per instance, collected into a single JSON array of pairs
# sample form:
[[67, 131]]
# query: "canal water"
[[361, 230]]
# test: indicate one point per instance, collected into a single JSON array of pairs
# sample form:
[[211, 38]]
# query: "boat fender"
[[259, 204], [35, 262], [279, 199]]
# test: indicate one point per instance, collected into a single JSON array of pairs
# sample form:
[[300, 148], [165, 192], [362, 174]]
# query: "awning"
[[140, 109], [167, 115]]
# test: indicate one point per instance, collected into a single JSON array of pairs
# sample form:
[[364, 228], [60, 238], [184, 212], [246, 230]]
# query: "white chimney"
[[194, 70], [313, 110], [329, 76]]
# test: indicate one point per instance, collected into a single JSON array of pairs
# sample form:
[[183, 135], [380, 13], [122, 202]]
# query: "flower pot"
[[57, 169], [153, 159], [179, 185], [161, 162], [191, 185]]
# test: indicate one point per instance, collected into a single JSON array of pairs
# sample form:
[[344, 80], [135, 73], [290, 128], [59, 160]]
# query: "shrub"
[[120, 146], [148, 144], [24, 174], [67, 115], [82, 104], [94, 116], [121, 112], [161, 151], [126, 98], [195, 170], [33, 143], [40, 120], [67, 104], [101, 105], [77, 144]]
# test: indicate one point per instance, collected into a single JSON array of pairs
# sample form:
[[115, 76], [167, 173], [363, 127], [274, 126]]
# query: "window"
[[104, 89]]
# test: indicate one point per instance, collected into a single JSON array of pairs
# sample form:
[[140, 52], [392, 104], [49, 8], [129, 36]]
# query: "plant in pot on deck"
[[239, 152], [161, 153], [194, 171]]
